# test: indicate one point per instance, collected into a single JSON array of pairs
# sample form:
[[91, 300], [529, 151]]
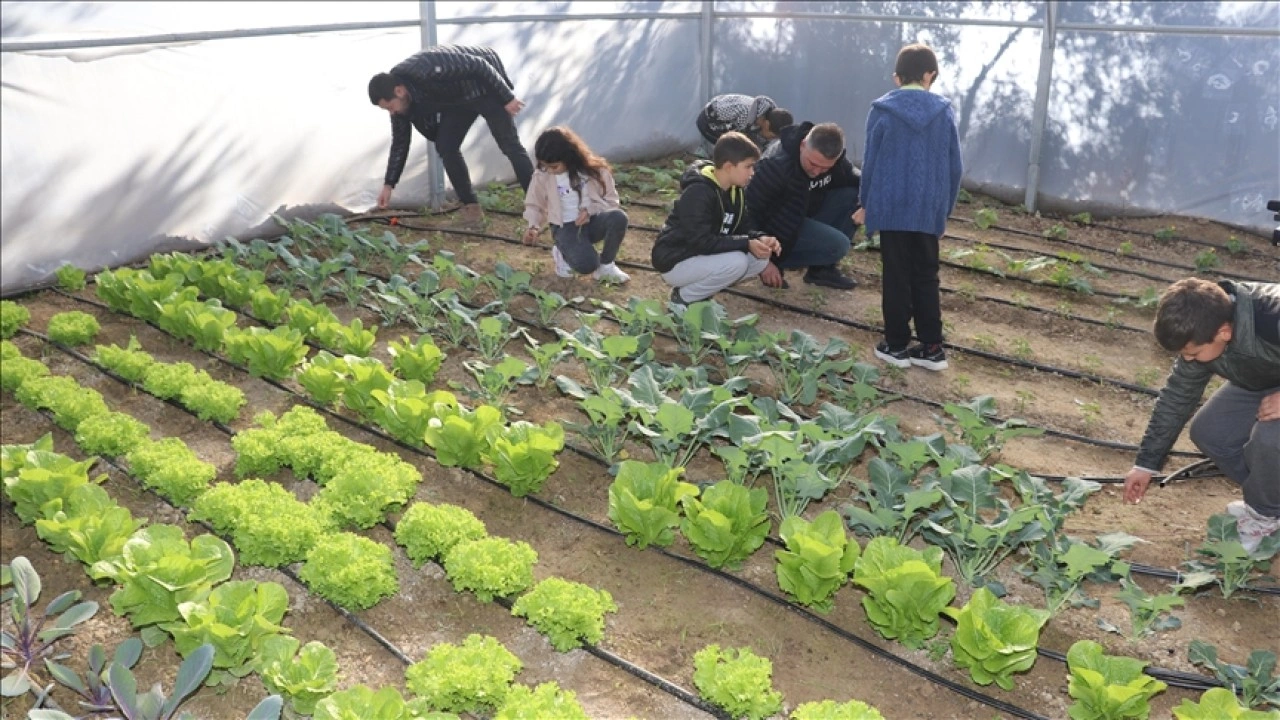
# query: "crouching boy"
[[1229, 329], [707, 244]]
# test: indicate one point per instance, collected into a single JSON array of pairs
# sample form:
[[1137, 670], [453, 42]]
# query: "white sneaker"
[[1252, 525], [1236, 508], [610, 273], [562, 268]]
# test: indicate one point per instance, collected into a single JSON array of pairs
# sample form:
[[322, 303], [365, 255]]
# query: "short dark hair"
[[1191, 311], [914, 61], [779, 118], [733, 147], [382, 87], [827, 139]]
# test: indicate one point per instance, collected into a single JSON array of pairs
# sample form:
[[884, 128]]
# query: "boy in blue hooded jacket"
[[910, 179]]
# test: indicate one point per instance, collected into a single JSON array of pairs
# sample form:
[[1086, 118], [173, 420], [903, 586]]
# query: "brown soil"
[[668, 610]]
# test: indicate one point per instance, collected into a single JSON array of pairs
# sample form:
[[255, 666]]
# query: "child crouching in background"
[[573, 191]]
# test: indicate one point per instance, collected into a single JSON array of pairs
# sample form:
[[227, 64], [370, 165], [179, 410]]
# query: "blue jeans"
[[825, 235]]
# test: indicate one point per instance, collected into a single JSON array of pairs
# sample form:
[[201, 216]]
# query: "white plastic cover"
[[110, 153]]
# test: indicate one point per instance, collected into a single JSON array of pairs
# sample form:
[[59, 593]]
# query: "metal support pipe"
[[435, 168], [708, 57], [1044, 86]]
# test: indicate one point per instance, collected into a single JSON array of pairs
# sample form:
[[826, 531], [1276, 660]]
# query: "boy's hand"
[[1135, 485], [760, 247], [860, 216], [583, 217], [772, 276], [530, 236], [1269, 408]]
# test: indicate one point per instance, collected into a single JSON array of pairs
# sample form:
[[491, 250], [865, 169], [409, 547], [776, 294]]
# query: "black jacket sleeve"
[[401, 133], [691, 230], [430, 68]]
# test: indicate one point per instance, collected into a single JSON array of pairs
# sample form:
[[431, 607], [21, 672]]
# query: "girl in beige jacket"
[[572, 191]]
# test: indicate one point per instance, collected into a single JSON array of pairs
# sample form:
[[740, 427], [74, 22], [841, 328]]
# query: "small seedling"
[[964, 197], [986, 343], [1083, 218], [1022, 349], [967, 291], [1207, 260], [1234, 246], [985, 218], [961, 383], [1025, 398], [1147, 376], [1093, 363], [1057, 232], [1125, 248], [1168, 233]]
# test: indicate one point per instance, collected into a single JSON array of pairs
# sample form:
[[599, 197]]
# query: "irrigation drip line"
[[616, 660], [1182, 238], [1015, 248], [1169, 676], [1141, 258]]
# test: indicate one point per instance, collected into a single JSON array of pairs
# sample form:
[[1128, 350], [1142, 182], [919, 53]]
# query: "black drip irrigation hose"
[[875, 650], [1014, 248], [1174, 678], [1139, 258], [611, 658]]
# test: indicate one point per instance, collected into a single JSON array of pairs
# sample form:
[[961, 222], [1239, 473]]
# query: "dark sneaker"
[[930, 357], [675, 297], [829, 276], [897, 358]]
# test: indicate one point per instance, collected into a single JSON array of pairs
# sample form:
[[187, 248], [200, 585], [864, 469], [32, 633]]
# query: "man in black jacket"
[[804, 193], [441, 91]]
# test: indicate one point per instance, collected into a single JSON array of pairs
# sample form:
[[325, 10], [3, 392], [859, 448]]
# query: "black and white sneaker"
[[676, 299], [929, 357], [897, 358], [829, 276]]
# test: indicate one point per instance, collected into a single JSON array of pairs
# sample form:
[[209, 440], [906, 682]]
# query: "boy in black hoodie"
[[706, 245]]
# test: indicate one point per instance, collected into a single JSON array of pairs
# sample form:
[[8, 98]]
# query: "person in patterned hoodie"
[[441, 91], [759, 118]]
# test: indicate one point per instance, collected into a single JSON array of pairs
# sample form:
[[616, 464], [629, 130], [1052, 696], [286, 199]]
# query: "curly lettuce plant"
[[235, 618], [737, 680], [171, 469], [62, 396], [167, 380], [906, 590], [16, 369], [362, 491], [994, 639], [545, 701], [12, 316], [470, 677], [129, 362], [429, 531], [726, 524], [570, 614], [831, 710], [70, 278], [303, 676], [212, 399], [73, 328], [268, 525], [818, 559], [490, 567], [352, 571], [1108, 687], [112, 434]]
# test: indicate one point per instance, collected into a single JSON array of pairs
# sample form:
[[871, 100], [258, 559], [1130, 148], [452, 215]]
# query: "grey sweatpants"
[[702, 276], [576, 242], [1226, 428]]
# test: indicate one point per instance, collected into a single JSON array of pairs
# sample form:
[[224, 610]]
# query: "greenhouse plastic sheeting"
[[110, 153]]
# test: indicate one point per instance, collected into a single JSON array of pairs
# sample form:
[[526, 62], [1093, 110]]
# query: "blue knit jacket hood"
[[911, 166]]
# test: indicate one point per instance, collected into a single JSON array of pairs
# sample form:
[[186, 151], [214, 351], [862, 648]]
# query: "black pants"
[[909, 288], [455, 121]]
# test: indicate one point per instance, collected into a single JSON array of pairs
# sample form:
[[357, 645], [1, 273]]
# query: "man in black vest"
[[441, 91]]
